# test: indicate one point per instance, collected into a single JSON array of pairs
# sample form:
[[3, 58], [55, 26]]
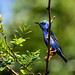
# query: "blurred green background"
[[29, 11]]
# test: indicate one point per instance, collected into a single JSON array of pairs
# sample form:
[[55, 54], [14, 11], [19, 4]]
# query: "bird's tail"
[[61, 54], [64, 58]]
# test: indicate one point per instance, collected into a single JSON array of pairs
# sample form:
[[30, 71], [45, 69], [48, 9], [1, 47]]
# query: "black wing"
[[55, 39]]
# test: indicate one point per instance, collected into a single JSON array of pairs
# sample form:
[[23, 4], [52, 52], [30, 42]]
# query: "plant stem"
[[46, 73], [11, 70]]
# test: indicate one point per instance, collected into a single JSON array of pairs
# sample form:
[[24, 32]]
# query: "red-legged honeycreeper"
[[44, 25]]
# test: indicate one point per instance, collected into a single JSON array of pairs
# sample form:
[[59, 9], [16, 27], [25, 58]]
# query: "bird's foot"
[[49, 56], [52, 51], [45, 58]]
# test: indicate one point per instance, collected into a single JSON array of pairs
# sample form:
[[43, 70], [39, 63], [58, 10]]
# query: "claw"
[[50, 49], [45, 58], [47, 36]]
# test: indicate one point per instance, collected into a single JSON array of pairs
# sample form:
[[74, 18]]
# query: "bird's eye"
[[43, 23]]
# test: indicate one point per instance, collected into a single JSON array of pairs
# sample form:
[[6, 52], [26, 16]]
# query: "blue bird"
[[54, 44]]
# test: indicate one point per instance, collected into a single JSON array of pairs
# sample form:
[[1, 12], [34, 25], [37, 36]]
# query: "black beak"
[[37, 23]]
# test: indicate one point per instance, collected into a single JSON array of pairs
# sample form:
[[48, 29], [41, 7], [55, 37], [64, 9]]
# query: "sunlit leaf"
[[1, 20], [23, 71], [18, 41], [28, 32], [20, 28], [0, 15], [16, 30]]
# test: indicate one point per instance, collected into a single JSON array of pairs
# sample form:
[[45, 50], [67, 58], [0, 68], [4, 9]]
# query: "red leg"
[[52, 51], [49, 54], [51, 57]]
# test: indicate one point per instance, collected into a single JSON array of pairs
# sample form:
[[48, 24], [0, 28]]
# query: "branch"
[[46, 73], [11, 70]]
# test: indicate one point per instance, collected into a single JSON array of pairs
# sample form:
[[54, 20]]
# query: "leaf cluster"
[[9, 57]]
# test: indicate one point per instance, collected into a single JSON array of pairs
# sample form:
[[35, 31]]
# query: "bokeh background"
[[19, 12]]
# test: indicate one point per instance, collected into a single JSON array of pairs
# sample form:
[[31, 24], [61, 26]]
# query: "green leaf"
[[12, 63], [2, 68], [16, 30], [26, 28], [0, 15], [25, 56], [24, 72], [29, 67], [20, 28], [4, 59], [0, 41], [0, 48], [28, 32], [21, 45], [12, 42], [29, 54], [16, 52], [17, 55], [1, 20], [18, 41], [15, 36], [1, 24]]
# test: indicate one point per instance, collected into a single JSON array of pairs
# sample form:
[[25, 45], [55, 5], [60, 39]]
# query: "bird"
[[54, 44]]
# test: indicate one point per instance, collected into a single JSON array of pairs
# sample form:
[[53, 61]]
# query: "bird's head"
[[43, 24]]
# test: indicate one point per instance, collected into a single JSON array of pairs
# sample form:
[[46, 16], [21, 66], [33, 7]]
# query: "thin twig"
[[11, 70], [52, 19], [46, 73]]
